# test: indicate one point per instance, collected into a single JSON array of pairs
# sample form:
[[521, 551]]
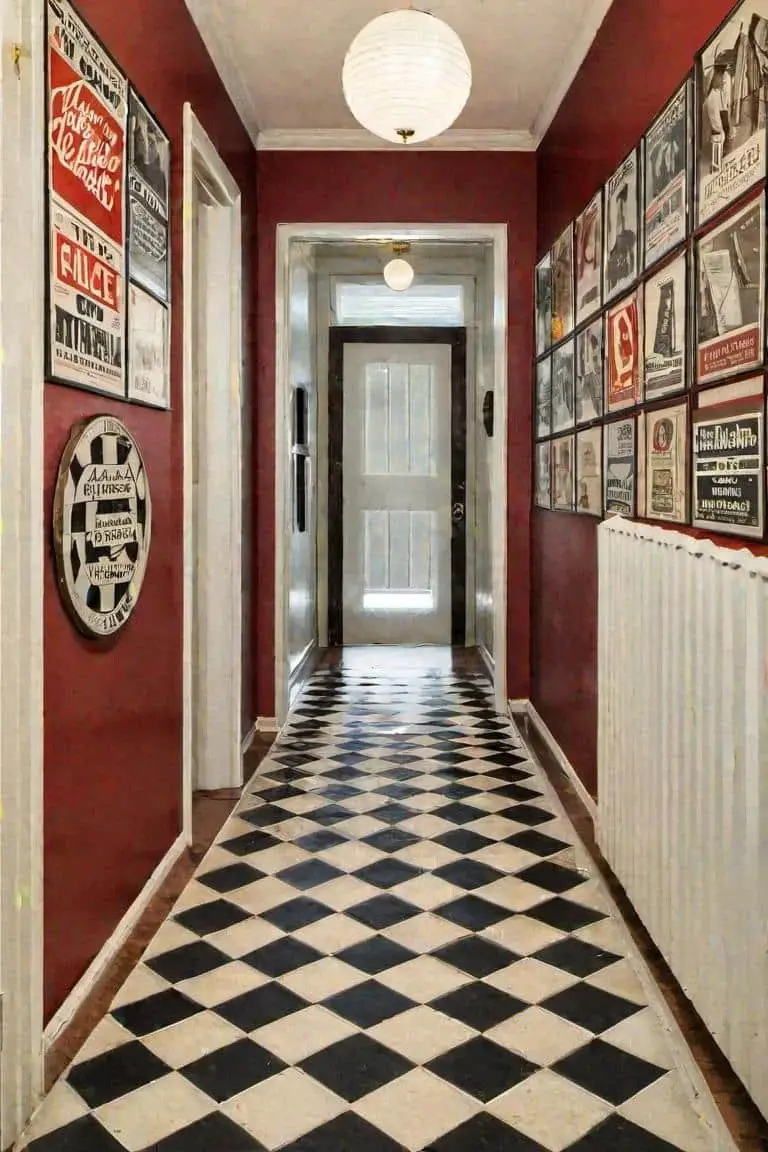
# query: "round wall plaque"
[[102, 524]]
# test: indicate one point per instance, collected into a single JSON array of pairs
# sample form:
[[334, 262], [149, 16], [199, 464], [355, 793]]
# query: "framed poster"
[[666, 457], [544, 397], [666, 184], [590, 372], [619, 466], [562, 387], [86, 113], [562, 285], [562, 462], [588, 258], [149, 170], [542, 494], [624, 349], [666, 328], [148, 349], [731, 92], [543, 293], [589, 471], [728, 481], [730, 296], [621, 248]]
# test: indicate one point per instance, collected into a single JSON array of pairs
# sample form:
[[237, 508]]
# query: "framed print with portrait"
[[666, 328], [624, 353], [666, 464], [562, 387], [543, 397], [621, 249], [543, 290], [562, 285], [588, 259], [590, 372], [620, 466], [589, 471], [543, 478], [563, 472], [666, 184]]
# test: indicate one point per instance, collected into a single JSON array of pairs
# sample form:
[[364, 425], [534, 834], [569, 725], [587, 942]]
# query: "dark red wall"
[[640, 55], [398, 188], [113, 713]]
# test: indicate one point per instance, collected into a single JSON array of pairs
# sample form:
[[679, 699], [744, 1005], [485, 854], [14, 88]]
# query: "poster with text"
[[666, 439], [542, 494], [148, 347], [621, 247], [665, 327], [619, 467], [731, 94], [728, 482], [589, 471], [562, 285], [562, 387], [624, 352], [590, 372], [666, 167], [86, 125], [730, 296], [544, 397], [543, 305], [588, 243], [563, 466], [148, 198]]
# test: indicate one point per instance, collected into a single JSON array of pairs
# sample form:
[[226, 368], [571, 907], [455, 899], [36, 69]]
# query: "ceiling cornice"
[[358, 140], [580, 45], [209, 19]]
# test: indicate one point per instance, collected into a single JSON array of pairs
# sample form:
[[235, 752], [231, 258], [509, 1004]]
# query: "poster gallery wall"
[[650, 312]]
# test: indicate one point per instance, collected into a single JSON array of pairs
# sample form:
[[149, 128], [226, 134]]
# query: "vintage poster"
[[588, 244], [148, 346], [665, 328], [731, 94], [621, 248], [619, 467], [542, 494], [666, 168], [666, 450], [544, 397], [589, 471], [562, 460], [728, 483], [86, 125], [543, 288], [730, 297], [624, 351], [590, 372], [148, 199], [562, 387], [562, 285]]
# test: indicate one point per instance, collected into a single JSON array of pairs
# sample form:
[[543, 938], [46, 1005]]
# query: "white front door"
[[397, 494]]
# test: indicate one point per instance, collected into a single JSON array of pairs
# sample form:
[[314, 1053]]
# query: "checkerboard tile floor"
[[393, 944]]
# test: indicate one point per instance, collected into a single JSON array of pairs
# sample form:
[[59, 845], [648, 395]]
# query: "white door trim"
[[496, 234], [22, 535], [202, 160]]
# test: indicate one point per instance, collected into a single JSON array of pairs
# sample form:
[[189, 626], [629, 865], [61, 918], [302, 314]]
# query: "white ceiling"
[[281, 62]]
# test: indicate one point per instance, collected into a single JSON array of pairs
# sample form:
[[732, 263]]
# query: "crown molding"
[[358, 140], [209, 19], [575, 57]]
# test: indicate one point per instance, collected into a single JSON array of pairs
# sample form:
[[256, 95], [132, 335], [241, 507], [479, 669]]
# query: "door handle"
[[457, 512]]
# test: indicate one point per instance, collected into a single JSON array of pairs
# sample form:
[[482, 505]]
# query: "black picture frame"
[[673, 198], [621, 259]]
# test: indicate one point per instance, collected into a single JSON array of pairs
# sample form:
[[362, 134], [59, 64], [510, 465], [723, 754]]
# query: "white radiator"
[[683, 768]]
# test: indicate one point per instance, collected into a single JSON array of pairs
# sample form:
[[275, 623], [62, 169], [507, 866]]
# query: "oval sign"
[[102, 525]]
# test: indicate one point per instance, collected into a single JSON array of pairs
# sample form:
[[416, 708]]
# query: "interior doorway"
[[397, 486]]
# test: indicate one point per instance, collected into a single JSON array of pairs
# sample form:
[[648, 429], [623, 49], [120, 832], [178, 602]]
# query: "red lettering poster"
[[86, 125]]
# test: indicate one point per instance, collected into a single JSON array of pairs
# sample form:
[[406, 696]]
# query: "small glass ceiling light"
[[398, 275], [406, 76]]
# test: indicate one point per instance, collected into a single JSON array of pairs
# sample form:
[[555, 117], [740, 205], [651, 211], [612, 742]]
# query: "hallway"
[[395, 943]]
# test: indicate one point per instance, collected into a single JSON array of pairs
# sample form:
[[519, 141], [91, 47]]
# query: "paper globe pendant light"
[[406, 76], [398, 275]]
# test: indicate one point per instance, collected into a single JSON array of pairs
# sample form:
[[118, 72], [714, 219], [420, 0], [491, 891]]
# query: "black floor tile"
[[214, 1133], [309, 874], [397, 791], [254, 1009], [320, 841], [468, 874], [368, 1004], [477, 956], [565, 914], [392, 813], [484, 1133], [391, 839], [212, 917], [383, 911], [228, 1071], [298, 913], [618, 1135], [347, 1133], [608, 1072], [479, 1005], [536, 842], [83, 1135], [456, 791], [230, 877], [329, 815], [552, 877], [281, 956], [530, 814], [590, 1008], [517, 792], [473, 913], [156, 1012], [187, 961], [116, 1073], [482, 1068], [375, 955], [577, 957], [264, 815], [356, 1066], [279, 792], [249, 843], [463, 841], [458, 813], [387, 873]]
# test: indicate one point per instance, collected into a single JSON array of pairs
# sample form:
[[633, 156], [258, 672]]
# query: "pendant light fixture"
[[406, 76], [398, 273]]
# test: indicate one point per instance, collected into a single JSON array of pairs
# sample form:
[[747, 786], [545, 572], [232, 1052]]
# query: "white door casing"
[[397, 494]]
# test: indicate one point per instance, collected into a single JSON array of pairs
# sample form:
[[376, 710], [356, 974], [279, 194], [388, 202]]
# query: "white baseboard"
[[249, 738], [525, 707], [267, 724], [121, 934], [488, 660]]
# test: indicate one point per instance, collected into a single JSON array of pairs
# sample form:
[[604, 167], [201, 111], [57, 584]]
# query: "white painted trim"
[[517, 708], [358, 140], [200, 155], [487, 659], [23, 554], [211, 23], [122, 933], [352, 233], [586, 30], [249, 738], [267, 724], [546, 735], [304, 666]]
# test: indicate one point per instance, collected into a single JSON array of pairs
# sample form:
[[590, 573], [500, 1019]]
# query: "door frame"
[[352, 233], [224, 583], [456, 339]]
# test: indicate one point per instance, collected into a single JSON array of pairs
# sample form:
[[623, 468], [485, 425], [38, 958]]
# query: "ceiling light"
[[398, 275], [406, 76]]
